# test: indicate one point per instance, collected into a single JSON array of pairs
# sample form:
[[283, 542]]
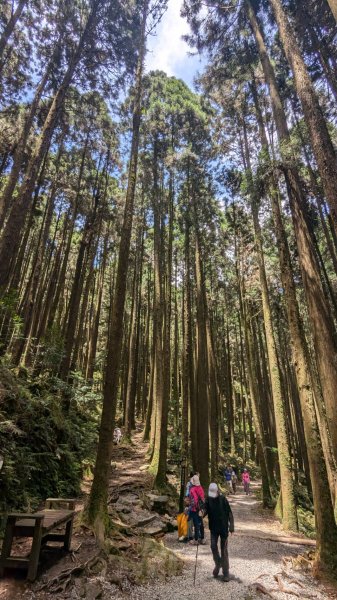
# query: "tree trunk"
[[11, 235], [9, 28], [319, 312], [97, 507], [325, 524], [320, 138], [158, 462]]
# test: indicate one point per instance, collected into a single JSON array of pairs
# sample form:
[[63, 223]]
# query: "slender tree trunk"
[[325, 523], [158, 463], [189, 355], [289, 515], [11, 234], [19, 153], [9, 28], [202, 375], [319, 312], [320, 138], [134, 345], [97, 507]]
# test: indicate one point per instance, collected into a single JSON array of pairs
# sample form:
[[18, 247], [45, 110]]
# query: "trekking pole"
[[196, 560]]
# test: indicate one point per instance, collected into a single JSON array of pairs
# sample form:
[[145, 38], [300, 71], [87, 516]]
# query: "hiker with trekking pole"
[[221, 522]]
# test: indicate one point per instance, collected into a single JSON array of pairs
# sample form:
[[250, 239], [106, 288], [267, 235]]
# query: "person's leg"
[[215, 552], [190, 528], [224, 556], [195, 518], [201, 529]]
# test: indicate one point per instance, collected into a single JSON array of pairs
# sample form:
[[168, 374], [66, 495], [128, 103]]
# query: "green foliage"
[[306, 522], [45, 449]]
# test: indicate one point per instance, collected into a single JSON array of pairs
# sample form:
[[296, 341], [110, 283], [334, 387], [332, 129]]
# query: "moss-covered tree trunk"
[[159, 455]]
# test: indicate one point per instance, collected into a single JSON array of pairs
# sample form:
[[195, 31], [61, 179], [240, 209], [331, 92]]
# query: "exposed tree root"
[[282, 587], [60, 582], [259, 587]]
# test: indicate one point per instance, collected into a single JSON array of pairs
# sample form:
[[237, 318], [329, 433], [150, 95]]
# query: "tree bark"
[[97, 506], [320, 138], [9, 28], [319, 311]]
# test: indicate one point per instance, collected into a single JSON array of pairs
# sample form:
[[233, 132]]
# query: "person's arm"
[[230, 514], [231, 520]]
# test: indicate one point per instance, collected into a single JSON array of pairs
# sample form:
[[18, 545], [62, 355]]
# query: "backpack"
[[200, 505], [182, 525]]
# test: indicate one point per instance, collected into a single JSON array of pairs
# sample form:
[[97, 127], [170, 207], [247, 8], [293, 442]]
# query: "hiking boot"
[[216, 570], [226, 578], [194, 543]]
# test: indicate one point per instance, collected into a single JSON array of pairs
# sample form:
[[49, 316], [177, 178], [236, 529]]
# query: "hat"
[[195, 480], [213, 490]]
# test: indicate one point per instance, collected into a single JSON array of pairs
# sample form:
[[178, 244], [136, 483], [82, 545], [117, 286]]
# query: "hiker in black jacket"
[[221, 521]]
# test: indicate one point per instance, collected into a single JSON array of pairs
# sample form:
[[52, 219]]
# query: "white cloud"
[[167, 51]]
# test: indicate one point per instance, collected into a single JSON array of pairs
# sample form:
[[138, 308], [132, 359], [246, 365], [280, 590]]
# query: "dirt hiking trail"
[[259, 568], [263, 558]]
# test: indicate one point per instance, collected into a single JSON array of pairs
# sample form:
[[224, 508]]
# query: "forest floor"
[[265, 561]]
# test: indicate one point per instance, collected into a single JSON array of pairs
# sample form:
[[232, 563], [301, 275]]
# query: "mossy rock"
[[158, 562]]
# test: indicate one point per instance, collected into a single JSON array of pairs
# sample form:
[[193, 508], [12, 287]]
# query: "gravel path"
[[252, 560]]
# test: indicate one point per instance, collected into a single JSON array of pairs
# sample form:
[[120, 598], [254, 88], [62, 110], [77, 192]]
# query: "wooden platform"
[[41, 527]]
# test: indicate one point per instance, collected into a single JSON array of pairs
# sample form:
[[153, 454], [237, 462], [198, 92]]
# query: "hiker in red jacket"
[[246, 481], [197, 498]]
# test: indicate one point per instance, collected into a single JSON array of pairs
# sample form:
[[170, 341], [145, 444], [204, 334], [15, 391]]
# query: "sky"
[[167, 50]]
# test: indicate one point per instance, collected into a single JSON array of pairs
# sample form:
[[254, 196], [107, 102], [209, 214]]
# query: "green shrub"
[[45, 450]]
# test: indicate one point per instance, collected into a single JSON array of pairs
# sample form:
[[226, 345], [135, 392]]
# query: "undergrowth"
[[45, 448]]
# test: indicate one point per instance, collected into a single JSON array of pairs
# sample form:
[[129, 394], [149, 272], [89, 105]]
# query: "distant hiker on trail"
[[228, 478], [197, 498], [220, 520], [187, 510], [234, 481], [117, 436], [246, 481]]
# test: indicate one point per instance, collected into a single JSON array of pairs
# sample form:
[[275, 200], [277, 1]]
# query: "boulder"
[[146, 520], [156, 528], [158, 503], [139, 517]]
